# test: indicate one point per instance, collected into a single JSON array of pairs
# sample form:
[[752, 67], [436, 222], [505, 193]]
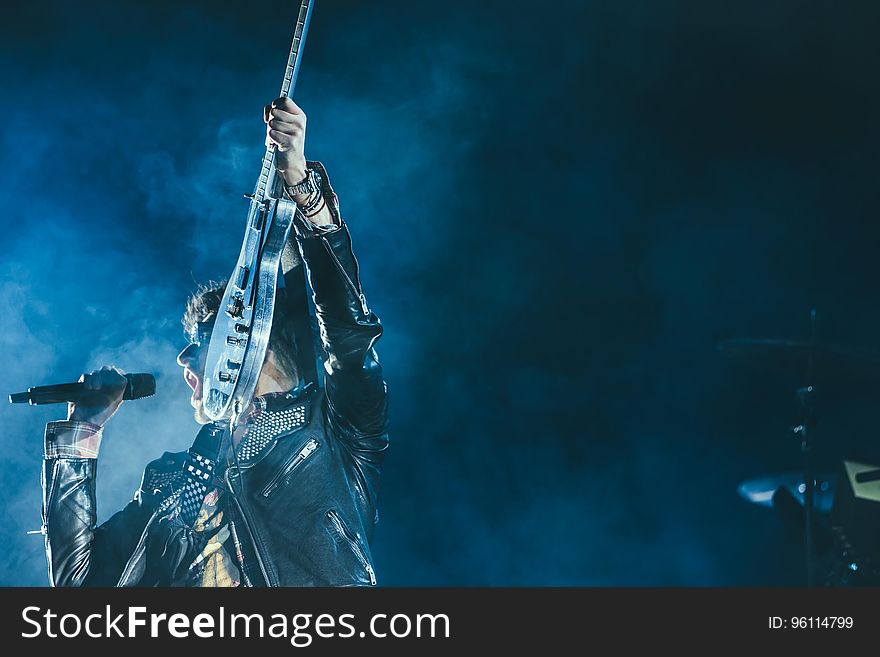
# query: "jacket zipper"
[[341, 269], [247, 526], [290, 466], [44, 527], [355, 546]]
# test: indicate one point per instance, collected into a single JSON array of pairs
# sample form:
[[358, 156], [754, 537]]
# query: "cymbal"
[[829, 362], [760, 490]]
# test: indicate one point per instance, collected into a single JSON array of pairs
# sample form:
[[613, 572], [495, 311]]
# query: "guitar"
[[244, 321]]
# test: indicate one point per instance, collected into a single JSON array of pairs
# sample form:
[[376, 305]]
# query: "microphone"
[[138, 386]]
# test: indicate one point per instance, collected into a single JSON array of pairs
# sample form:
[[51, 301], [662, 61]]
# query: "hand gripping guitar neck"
[[241, 330]]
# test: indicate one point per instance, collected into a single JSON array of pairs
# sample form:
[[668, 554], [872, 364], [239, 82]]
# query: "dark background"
[[558, 209]]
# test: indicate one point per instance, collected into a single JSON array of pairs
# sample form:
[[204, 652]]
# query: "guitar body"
[[242, 327]]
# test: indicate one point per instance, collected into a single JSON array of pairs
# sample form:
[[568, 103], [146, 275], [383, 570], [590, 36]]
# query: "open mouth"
[[191, 379]]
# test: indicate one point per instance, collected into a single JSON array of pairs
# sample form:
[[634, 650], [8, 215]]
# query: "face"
[[192, 360]]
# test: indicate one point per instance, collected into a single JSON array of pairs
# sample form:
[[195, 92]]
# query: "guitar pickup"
[[259, 218], [235, 308], [243, 275], [226, 377], [241, 328], [232, 341], [232, 365]]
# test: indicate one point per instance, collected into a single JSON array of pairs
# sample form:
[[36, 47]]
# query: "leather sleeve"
[[356, 397], [349, 330], [78, 552], [356, 391]]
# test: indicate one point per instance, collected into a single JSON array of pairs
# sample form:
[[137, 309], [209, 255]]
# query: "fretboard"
[[267, 171]]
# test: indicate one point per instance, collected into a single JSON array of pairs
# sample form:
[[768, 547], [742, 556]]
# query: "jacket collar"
[[273, 415]]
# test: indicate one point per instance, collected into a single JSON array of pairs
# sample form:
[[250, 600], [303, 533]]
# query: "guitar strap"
[[197, 473]]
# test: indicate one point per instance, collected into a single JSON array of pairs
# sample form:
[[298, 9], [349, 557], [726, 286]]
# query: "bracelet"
[[311, 211], [313, 205], [310, 185], [311, 201]]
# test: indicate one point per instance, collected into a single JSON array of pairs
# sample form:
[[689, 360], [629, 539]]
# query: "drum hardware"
[[813, 362]]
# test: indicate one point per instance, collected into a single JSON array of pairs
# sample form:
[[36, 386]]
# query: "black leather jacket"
[[308, 521]]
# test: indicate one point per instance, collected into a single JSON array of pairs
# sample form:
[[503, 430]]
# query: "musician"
[[292, 498]]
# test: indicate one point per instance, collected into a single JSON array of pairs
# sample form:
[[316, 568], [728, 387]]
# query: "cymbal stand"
[[804, 431], [806, 396]]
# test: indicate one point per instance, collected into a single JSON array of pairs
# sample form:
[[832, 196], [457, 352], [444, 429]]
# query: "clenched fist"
[[286, 128], [102, 397]]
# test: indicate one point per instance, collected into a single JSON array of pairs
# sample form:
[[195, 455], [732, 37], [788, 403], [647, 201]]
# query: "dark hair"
[[204, 303]]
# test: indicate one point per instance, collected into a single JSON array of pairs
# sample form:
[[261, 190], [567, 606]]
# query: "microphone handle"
[[61, 393], [55, 394]]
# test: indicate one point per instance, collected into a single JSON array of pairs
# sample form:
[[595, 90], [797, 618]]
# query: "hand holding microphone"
[[95, 397], [100, 397]]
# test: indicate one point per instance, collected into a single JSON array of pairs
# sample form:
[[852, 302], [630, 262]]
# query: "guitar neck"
[[267, 171]]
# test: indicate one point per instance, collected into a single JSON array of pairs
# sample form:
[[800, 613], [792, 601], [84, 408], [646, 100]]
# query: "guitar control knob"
[[241, 328], [232, 341], [226, 377], [231, 364]]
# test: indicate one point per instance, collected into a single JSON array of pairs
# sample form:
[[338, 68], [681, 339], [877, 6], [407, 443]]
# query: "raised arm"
[[355, 388]]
